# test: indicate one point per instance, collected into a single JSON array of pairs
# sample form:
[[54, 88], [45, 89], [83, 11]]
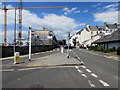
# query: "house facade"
[[90, 34]]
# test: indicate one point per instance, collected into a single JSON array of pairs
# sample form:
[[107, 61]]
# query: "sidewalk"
[[106, 55], [58, 59]]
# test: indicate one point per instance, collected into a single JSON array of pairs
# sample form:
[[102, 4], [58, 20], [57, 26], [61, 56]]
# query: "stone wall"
[[8, 51]]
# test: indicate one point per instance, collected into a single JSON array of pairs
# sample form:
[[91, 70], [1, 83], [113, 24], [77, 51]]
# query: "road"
[[97, 72]]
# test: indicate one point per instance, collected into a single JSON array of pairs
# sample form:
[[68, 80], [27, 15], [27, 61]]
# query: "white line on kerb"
[[94, 75], [44, 68], [92, 85], [6, 70], [104, 83], [88, 70], [84, 75]]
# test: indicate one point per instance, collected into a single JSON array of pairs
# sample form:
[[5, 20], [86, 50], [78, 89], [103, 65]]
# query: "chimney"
[[115, 23], [105, 23], [88, 26]]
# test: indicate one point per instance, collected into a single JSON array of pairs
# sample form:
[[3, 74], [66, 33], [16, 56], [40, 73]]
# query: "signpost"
[[68, 50], [30, 43]]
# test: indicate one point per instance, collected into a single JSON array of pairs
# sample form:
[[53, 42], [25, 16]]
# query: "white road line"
[[78, 57], [84, 75], [94, 75], [27, 69], [7, 70], [83, 66], [82, 62], [80, 71], [92, 85], [76, 67], [104, 83], [88, 70]]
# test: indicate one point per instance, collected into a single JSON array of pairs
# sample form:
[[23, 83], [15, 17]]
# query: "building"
[[110, 28], [74, 38], [43, 38], [109, 41], [89, 34]]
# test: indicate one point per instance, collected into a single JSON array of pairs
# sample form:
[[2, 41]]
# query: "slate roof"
[[93, 28], [114, 37], [79, 32]]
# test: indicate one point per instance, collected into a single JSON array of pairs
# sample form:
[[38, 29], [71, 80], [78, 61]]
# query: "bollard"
[[16, 58], [62, 49]]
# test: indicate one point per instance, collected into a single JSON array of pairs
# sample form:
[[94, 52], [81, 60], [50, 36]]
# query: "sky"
[[61, 20]]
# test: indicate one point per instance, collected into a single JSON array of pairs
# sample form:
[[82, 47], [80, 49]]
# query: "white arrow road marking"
[[104, 83], [92, 85], [94, 75], [88, 70]]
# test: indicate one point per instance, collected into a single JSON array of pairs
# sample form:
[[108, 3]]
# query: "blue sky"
[[61, 21]]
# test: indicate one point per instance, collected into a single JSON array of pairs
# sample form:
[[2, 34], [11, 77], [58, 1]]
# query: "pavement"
[[56, 59], [53, 60]]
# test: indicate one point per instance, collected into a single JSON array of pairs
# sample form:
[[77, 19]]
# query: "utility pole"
[[20, 22], [5, 24], [68, 50], [15, 32]]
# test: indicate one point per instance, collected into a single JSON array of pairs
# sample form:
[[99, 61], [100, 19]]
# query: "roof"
[[93, 28], [112, 26], [109, 38], [41, 32], [79, 32]]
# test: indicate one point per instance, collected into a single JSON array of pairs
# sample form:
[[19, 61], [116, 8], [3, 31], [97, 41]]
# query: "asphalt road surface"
[[97, 72]]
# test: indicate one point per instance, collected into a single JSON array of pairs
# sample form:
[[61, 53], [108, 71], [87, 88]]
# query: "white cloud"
[[77, 11], [96, 5], [55, 22], [108, 16], [111, 5], [10, 35], [85, 11], [81, 24], [72, 10]]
